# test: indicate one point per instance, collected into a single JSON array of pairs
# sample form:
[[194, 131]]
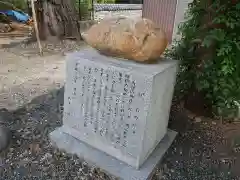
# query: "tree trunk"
[[57, 18]]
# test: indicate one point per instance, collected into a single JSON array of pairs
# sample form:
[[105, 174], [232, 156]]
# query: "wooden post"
[[36, 27], [93, 10], [79, 10]]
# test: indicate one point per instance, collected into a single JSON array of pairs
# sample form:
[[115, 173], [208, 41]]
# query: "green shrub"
[[85, 9], [209, 52], [20, 4], [13, 4]]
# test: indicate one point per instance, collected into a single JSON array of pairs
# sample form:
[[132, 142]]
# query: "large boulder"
[[130, 38]]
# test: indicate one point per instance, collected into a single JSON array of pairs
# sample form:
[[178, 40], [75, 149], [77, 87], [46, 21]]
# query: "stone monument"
[[117, 111]]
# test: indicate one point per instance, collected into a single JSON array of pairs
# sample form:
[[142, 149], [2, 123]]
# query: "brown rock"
[[135, 39], [5, 28]]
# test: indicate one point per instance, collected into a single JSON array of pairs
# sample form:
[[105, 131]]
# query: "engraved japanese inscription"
[[110, 105]]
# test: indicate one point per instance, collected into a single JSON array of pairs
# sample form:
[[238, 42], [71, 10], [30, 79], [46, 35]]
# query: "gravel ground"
[[200, 152], [31, 155], [193, 156]]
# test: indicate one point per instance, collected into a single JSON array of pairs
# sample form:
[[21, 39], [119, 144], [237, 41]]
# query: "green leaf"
[[237, 45], [238, 6], [207, 42], [218, 34]]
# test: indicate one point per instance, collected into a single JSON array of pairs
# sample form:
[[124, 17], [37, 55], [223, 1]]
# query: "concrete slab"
[[107, 163]]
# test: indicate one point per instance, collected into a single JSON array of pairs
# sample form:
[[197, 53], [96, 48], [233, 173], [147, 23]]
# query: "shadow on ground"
[[200, 151]]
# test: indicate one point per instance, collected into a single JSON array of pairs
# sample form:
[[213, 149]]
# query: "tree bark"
[[57, 18]]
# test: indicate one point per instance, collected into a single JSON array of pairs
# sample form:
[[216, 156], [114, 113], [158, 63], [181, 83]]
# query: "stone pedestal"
[[117, 107]]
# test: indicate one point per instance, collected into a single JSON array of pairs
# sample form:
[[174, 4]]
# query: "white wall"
[[182, 6]]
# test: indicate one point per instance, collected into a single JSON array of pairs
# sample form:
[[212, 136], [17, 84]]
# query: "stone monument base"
[[107, 163]]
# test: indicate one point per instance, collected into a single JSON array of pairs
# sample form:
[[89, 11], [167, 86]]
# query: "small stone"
[[34, 148], [214, 123], [198, 119], [190, 115], [45, 157], [236, 149], [236, 119]]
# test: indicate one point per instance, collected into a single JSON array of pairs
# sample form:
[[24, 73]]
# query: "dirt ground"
[[31, 100], [24, 74]]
